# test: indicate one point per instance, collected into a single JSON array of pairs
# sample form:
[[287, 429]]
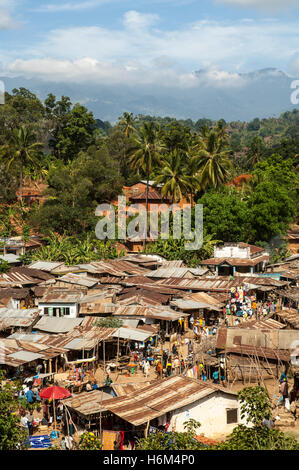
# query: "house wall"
[[231, 252], [293, 245], [73, 308], [211, 412]]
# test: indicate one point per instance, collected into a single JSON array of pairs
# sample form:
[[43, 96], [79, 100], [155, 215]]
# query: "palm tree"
[[173, 176], [22, 150], [145, 153], [212, 158], [127, 123]]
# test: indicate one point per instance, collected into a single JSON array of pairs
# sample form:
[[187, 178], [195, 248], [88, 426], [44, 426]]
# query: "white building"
[[176, 400], [218, 413], [60, 304]]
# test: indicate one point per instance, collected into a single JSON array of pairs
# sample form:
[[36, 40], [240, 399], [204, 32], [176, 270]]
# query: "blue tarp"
[[38, 442]]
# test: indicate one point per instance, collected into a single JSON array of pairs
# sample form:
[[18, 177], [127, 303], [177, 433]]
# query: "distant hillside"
[[243, 97]]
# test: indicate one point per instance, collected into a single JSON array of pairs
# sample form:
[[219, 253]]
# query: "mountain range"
[[233, 97]]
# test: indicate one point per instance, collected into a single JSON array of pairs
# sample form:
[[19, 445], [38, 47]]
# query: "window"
[[232, 415]]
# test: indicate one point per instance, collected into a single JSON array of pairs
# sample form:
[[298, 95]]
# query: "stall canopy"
[[132, 334]]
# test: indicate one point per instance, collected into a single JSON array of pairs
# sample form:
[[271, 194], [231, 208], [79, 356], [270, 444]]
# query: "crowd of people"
[[242, 304]]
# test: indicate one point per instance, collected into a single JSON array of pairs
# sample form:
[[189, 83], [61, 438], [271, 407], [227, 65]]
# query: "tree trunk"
[[21, 181], [146, 210]]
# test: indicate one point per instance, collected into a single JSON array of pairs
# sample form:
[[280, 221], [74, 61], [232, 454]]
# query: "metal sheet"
[[25, 356], [57, 325], [132, 334], [157, 399]]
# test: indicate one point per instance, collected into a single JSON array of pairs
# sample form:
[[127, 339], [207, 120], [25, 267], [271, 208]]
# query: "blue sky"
[[147, 41]]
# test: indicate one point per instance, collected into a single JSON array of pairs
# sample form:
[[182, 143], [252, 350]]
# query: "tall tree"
[[22, 150], [212, 157], [174, 177], [127, 123], [145, 153]]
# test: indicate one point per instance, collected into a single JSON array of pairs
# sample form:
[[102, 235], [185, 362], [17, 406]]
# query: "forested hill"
[[76, 161], [271, 129]]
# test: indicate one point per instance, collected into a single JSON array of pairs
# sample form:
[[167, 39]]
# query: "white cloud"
[[135, 20], [261, 4], [6, 20], [71, 6], [138, 52], [89, 70], [294, 66], [199, 44]]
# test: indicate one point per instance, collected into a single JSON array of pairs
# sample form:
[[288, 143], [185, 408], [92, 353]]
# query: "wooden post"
[[104, 355], [117, 357], [54, 413], [101, 413], [146, 429], [67, 421]]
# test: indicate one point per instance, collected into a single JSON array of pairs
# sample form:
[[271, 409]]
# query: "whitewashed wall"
[[231, 252], [211, 413], [73, 309]]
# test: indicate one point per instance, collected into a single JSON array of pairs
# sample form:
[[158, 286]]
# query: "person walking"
[[168, 368], [146, 368], [159, 370], [176, 364]]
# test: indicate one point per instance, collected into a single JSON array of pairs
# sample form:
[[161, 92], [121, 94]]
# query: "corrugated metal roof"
[[25, 356], [125, 389], [29, 337], [235, 261], [17, 278], [97, 308], [269, 353], [132, 334], [47, 266], [160, 313], [268, 324], [130, 322], [134, 295], [10, 317], [186, 304], [14, 293], [79, 280], [219, 283], [176, 272], [57, 325], [10, 258], [61, 297], [19, 313], [74, 344], [87, 403], [173, 264], [292, 294], [17, 352], [289, 316], [35, 273], [157, 399]]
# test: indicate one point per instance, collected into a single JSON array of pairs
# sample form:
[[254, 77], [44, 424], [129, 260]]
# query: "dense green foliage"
[[11, 433], [73, 250], [83, 161], [173, 440], [109, 322]]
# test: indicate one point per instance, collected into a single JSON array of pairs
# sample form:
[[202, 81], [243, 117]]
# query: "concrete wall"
[[211, 412], [231, 252], [277, 339], [73, 308]]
